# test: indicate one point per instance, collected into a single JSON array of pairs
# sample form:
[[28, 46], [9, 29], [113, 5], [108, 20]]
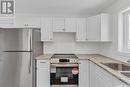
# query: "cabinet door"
[[81, 29], [99, 82], [94, 28], [105, 28], [107, 78], [43, 74], [101, 78], [84, 73], [43, 77], [92, 74], [46, 29], [58, 25], [70, 24]]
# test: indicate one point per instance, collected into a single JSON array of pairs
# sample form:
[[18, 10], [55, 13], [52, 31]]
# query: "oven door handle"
[[64, 65]]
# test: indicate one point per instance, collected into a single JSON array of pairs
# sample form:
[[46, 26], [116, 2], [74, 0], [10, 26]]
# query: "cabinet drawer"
[[43, 63]]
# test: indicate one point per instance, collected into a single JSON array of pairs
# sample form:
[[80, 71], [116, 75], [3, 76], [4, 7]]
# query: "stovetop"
[[64, 56]]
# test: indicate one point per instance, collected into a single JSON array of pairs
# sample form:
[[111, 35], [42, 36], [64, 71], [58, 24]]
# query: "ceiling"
[[79, 7]]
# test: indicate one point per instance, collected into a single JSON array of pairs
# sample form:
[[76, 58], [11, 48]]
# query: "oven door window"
[[65, 75], [65, 72]]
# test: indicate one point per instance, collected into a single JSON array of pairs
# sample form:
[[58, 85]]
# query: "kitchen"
[[60, 43]]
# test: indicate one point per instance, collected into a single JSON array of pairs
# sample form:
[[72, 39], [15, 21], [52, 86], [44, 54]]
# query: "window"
[[129, 34], [124, 31]]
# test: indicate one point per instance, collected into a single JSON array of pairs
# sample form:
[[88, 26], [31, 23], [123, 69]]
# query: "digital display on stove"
[[64, 60]]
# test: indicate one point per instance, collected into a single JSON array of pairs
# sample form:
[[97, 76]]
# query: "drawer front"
[[43, 63]]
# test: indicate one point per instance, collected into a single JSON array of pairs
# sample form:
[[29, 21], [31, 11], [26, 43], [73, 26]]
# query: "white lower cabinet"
[[90, 75], [84, 73], [43, 73], [101, 78]]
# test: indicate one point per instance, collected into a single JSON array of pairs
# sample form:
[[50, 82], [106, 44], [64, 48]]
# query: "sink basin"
[[117, 66], [127, 73], [124, 69]]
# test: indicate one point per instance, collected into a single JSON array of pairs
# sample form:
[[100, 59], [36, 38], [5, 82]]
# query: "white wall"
[[66, 43], [111, 49]]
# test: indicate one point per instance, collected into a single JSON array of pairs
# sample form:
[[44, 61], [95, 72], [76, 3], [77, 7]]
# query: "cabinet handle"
[[43, 62], [25, 24]]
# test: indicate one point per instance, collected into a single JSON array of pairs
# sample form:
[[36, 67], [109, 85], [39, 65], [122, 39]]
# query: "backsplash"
[[66, 43]]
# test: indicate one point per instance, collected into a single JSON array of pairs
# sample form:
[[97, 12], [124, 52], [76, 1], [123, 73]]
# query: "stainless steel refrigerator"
[[18, 50]]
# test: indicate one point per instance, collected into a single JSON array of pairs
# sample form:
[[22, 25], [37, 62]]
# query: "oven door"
[[64, 74]]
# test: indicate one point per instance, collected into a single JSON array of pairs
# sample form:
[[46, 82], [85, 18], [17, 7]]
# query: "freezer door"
[[15, 39], [15, 69]]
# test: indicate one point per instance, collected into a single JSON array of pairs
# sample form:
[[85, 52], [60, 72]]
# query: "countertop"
[[98, 60], [44, 57]]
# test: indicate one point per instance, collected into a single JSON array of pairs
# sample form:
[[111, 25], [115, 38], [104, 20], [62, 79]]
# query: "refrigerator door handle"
[[30, 46], [29, 39], [29, 66]]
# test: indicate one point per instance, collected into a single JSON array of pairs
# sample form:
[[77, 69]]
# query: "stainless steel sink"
[[118, 66], [126, 73], [124, 69]]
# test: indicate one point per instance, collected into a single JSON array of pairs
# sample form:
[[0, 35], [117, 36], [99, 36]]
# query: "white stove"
[[64, 70]]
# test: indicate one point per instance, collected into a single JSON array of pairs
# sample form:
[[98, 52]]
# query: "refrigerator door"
[[25, 70], [15, 39], [1, 68], [14, 69]]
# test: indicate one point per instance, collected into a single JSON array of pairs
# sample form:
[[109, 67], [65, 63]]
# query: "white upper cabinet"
[[93, 28], [98, 28], [64, 25], [70, 25], [46, 29], [58, 25], [81, 29], [27, 21]]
